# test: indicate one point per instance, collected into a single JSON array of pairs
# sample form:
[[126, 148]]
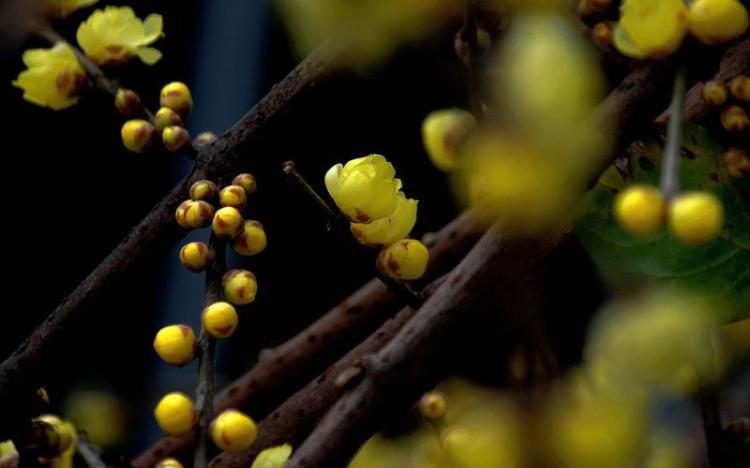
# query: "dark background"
[[75, 192]]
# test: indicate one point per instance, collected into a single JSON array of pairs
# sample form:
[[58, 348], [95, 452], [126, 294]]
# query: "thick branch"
[[307, 353], [20, 372], [735, 62]]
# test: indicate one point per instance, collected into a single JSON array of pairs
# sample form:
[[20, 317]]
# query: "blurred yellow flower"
[[273, 457], [717, 21], [62, 8], [115, 35], [364, 189], [651, 28], [101, 412], [53, 77], [367, 30], [672, 343], [393, 227], [443, 133]]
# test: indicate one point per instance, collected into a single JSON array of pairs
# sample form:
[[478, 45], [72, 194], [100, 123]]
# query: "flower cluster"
[[655, 29], [177, 344], [366, 191], [694, 218], [138, 134], [733, 117], [54, 76]]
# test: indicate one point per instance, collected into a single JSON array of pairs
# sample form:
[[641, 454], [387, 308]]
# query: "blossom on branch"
[[53, 77]]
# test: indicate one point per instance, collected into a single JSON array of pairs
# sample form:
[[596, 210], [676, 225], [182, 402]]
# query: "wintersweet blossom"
[[53, 77], [651, 29], [115, 35]]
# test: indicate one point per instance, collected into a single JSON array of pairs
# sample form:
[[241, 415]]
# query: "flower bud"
[[204, 138], [194, 256], [233, 431], [246, 181], [227, 223], [640, 209], [252, 240], [42, 399], [220, 319], [127, 102], [169, 463], [387, 230], [714, 92], [443, 134], [50, 436], [234, 196], [175, 344], [240, 286], [405, 259], [273, 457], [193, 214], [176, 96], [137, 135], [602, 33], [176, 414], [432, 405], [175, 138], [204, 190], [696, 217], [739, 86], [717, 21], [166, 117], [364, 189], [734, 119], [736, 162]]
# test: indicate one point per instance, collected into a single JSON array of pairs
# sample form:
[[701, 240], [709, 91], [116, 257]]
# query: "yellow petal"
[[148, 55], [387, 230]]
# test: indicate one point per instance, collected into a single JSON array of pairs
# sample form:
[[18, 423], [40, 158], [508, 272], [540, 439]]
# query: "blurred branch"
[[89, 454], [205, 392], [467, 49], [670, 170], [712, 430], [736, 61], [302, 356], [341, 227], [20, 373]]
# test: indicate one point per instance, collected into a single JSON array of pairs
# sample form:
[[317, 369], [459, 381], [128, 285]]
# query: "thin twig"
[[468, 37], [205, 391], [670, 169], [89, 454], [309, 352], [341, 226]]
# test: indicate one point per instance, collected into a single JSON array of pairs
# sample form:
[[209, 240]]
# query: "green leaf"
[[719, 270]]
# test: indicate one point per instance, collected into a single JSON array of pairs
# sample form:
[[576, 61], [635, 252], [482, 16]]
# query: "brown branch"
[[736, 61], [21, 371], [307, 353], [205, 392]]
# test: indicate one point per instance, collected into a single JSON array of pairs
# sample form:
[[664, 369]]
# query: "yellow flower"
[[115, 35], [273, 457], [233, 431], [651, 28], [716, 21], [405, 259], [364, 189], [393, 227], [62, 8], [176, 414], [53, 77]]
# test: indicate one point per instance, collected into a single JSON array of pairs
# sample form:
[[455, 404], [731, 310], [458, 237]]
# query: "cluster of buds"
[[138, 134], [177, 344], [733, 116], [368, 194], [694, 218]]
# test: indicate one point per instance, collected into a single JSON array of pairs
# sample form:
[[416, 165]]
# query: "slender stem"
[[88, 452], [468, 35], [670, 170], [205, 391], [340, 225]]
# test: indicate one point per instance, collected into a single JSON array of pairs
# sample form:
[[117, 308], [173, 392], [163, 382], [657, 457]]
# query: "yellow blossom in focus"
[[717, 21], [393, 227], [364, 189], [53, 77], [115, 35], [273, 457], [651, 28], [62, 8]]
